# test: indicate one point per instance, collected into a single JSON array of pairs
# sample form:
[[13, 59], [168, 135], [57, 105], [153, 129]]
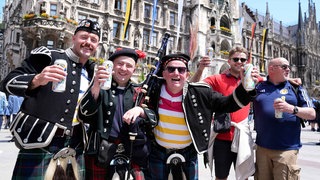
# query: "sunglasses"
[[284, 66], [241, 59], [172, 69], [87, 23]]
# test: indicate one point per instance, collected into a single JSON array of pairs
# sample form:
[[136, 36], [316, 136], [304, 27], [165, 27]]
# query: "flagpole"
[[264, 38]]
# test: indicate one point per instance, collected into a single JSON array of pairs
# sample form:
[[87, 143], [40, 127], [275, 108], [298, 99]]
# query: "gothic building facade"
[[194, 26]]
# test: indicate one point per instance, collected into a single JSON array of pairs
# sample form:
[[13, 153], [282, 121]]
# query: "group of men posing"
[[51, 135]]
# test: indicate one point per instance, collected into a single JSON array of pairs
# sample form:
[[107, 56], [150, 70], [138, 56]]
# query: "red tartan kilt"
[[94, 172]]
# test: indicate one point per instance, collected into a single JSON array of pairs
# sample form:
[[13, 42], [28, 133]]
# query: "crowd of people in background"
[[175, 126], [8, 109]]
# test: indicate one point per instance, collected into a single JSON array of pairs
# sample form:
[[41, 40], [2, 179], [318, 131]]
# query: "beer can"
[[209, 52], [61, 85], [109, 66], [248, 82], [278, 114]]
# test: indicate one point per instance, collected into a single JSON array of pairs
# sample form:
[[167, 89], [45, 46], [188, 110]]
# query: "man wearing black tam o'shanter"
[[109, 128], [47, 131], [183, 112]]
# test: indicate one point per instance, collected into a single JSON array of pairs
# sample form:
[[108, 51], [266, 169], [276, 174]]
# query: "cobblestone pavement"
[[309, 157]]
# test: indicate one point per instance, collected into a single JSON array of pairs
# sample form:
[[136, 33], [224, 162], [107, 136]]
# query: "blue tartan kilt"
[[33, 163]]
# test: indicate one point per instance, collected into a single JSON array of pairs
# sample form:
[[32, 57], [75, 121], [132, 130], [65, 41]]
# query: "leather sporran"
[[221, 122], [106, 152]]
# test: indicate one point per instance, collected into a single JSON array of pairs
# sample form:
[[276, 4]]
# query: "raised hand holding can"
[[109, 67], [248, 82], [61, 85]]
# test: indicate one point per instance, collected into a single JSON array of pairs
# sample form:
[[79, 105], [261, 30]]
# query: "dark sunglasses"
[[241, 59], [284, 66], [89, 24], [172, 69]]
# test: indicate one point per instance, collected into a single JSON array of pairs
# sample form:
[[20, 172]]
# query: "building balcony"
[[38, 30], [51, 23]]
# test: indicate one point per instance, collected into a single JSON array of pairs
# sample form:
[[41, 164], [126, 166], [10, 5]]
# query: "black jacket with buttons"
[[100, 113], [42, 102], [199, 104]]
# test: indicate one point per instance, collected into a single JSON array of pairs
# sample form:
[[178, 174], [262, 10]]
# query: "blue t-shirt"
[[282, 133]]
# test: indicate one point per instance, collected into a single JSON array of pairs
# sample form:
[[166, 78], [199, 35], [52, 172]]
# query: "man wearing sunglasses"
[[184, 112], [225, 84], [278, 137], [46, 129]]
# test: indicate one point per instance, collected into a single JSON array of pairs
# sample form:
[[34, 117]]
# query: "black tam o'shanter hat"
[[133, 53], [173, 57], [88, 26]]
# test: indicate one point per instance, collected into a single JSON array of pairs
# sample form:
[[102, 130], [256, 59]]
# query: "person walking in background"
[[223, 154], [46, 129], [3, 107], [316, 103], [104, 111], [315, 123], [184, 111], [278, 134], [14, 103]]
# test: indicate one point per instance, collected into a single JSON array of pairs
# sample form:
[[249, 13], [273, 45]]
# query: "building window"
[[116, 29], [154, 39], [53, 9], [146, 36], [49, 44], [117, 4], [156, 15], [126, 37], [170, 45], [81, 17], [18, 38], [94, 19], [172, 18], [95, 1], [147, 10]]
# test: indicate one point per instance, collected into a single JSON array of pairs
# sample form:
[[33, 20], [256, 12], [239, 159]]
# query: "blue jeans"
[[158, 166]]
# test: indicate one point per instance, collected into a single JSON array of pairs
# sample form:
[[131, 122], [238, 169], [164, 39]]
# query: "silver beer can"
[[61, 85], [209, 52], [248, 82], [279, 114], [109, 67]]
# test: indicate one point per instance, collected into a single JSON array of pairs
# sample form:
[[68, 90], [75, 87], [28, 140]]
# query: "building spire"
[[300, 33]]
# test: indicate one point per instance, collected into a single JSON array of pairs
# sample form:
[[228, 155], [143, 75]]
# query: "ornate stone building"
[[220, 24]]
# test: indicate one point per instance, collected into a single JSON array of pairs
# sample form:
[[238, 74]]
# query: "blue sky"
[[1, 6], [282, 10]]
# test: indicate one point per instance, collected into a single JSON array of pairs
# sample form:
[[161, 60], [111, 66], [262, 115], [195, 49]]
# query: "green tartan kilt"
[[33, 163]]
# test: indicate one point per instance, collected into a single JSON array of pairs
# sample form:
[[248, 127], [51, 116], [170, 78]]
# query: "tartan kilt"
[[33, 163], [94, 172]]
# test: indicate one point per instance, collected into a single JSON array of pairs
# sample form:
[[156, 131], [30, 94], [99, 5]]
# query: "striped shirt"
[[172, 130]]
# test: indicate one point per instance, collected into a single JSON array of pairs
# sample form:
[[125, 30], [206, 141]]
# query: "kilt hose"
[[33, 163]]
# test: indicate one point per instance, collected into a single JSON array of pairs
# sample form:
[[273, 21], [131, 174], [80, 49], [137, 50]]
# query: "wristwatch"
[[295, 110]]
